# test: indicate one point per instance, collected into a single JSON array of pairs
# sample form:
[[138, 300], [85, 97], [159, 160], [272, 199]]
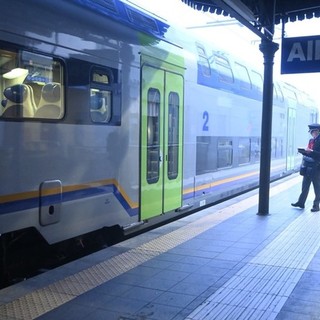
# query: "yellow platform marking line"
[[43, 300]]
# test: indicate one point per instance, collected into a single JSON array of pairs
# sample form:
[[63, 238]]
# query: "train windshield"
[[30, 85]]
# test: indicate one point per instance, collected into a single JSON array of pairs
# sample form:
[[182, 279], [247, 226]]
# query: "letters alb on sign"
[[300, 55]]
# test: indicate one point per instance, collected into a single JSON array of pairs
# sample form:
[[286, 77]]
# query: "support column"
[[268, 48]]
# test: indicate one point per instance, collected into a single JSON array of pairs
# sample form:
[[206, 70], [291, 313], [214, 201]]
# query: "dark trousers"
[[306, 182]]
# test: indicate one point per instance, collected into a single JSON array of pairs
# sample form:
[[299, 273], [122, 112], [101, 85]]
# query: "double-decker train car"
[[112, 117]]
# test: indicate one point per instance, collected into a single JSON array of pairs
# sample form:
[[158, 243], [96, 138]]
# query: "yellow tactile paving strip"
[[41, 301]]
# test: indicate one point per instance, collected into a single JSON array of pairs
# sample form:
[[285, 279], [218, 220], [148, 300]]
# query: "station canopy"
[[260, 15]]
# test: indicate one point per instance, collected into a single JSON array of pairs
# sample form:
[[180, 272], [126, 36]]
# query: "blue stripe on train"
[[32, 203], [228, 185], [127, 15]]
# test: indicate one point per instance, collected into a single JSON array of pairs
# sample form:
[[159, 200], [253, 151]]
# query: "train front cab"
[[161, 137]]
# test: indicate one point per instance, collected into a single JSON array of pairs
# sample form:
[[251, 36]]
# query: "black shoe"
[[298, 205], [315, 209]]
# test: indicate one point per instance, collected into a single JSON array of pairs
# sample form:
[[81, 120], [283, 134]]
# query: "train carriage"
[[111, 116]]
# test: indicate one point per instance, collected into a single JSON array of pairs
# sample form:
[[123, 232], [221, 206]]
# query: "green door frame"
[[161, 141]]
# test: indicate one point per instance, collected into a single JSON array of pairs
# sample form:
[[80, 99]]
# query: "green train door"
[[161, 141]]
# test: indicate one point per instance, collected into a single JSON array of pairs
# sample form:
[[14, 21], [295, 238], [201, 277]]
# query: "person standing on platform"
[[310, 169]]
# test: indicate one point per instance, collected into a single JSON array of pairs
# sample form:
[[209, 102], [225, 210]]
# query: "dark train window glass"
[[225, 73], [31, 86], [255, 149], [153, 136], [205, 155], [280, 148], [101, 96], [243, 74], [225, 153], [100, 105], [273, 148], [244, 150], [277, 148], [204, 62], [173, 135]]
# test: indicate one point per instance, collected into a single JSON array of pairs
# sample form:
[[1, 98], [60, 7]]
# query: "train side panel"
[[75, 174], [87, 163]]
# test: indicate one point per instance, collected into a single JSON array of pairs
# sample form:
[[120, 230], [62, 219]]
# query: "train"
[[113, 120]]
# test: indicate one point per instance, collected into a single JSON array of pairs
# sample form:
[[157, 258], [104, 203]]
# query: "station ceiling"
[[261, 15]]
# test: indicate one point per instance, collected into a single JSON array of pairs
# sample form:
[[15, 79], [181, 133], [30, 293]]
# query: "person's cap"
[[314, 126]]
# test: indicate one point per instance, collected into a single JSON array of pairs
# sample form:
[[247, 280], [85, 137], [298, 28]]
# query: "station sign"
[[300, 55]]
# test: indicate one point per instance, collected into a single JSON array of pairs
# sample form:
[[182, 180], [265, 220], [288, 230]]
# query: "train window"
[[257, 80], [31, 86], [276, 148], [225, 73], [278, 92], [280, 148], [101, 96], [205, 155], [173, 135], [204, 62], [100, 105], [153, 136], [291, 97], [255, 149], [313, 117], [244, 150], [243, 74], [225, 153], [100, 78]]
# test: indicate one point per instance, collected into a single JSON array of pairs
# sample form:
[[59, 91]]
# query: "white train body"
[[111, 116]]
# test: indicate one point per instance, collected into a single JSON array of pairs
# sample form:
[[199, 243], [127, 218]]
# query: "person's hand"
[[308, 150]]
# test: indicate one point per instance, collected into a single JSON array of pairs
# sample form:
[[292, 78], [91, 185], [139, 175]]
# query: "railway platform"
[[224, 262]]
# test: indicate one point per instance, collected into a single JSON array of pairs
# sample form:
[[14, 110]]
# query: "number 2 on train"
[[205, 116]]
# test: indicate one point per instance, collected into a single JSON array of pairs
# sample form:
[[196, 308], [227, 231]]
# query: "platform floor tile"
[[261, 288], [225, 262]]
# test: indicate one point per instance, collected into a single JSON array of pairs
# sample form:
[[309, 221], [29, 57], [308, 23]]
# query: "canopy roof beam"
[[244, 15]]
